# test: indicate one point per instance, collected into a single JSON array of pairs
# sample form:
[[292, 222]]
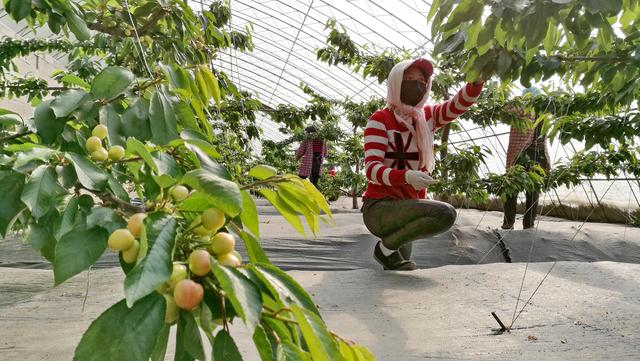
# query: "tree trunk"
[[444, 151], [354, 190], [445, 139]]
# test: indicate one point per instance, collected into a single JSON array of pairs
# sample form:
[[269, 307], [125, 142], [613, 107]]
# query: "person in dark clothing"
[[526, 147], [311, 154]]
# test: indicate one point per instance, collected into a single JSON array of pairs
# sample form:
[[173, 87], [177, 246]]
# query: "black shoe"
[[394, 261], [506, 226]]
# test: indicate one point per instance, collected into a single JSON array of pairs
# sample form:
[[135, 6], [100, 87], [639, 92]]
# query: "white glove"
[[418, 180]]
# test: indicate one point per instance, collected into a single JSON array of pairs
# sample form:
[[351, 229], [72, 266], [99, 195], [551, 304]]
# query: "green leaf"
[[160, 348], [198, 139], [254, 250], [465, 11], [224, 194], [163, 119], [111, 82], [500, 34], [207, 163], [283, 287], [48, 126], [77, 250], [317, 197], [287, 212], [551, 38], [535, 29], [89, 175], [68, 101], [249, 215], [318, 339], [263, 345], [212, 84], [242, 293], [452, 44], [41, 191], [105, 218], [66, 175], [123, 333], [134, 146], [606, 7], [19, 9], [77, 26], [188, 341], [296, 192], [167, 165], [28, 160], [288, 351], [224, 348], [435, 4], [11, 184], [362, 353], [156, 267], [135, 120], [41, 237], [196, 202], [185, 115], [110, 118], [472, 35], [75, 80], [117, 189], [74, 216], [177, 77], [503, 64], [262, 172]]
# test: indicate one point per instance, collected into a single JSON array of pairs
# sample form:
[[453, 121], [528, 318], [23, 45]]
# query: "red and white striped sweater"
[[390, 149]]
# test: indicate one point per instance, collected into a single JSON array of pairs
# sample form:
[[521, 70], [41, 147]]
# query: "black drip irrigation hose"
[[503, 246]]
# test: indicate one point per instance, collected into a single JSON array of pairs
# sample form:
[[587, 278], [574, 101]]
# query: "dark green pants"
[[400, 222]]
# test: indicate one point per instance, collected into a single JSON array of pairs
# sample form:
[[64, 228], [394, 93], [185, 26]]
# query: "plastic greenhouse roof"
[[286, 35]]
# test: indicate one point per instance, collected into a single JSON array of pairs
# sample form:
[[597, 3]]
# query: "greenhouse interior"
[[319, 180]]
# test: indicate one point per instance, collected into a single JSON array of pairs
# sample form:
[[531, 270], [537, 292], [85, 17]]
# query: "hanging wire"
[[291, 50], [555, 262], [135, 30]]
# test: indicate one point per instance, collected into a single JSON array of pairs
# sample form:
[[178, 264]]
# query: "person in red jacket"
[[398, 144]]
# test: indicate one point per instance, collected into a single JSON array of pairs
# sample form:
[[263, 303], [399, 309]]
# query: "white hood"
[[406, 114]]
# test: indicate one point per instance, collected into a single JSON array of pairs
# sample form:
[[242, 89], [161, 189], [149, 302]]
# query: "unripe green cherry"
[[135, 224], [116, 152], [213, 219], [121, 240], [131, 255], [229, 260], [178, 274], [172, 312], [222, 243], [200, 262], [92, 144], [100, 155], [179, 193], [100, 131]]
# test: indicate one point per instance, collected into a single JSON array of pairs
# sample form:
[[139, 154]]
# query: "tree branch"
[[15, 136], [152, 21], [603, 59], [109, 198], [143, 30]]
